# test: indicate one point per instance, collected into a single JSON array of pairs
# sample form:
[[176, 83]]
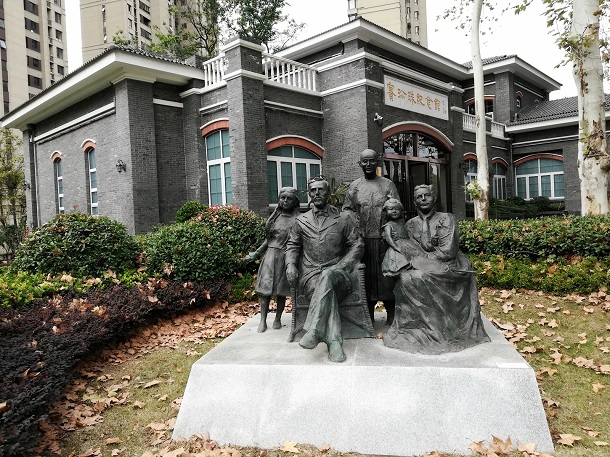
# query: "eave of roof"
[[113, 65], [378, 36], [519, 67]]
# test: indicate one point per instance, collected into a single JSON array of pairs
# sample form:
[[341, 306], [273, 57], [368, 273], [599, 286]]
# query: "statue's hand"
[[292, 274], [250, 257], [347, 265]]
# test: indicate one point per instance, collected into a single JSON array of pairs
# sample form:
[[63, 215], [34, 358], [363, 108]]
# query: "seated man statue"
[[322, 250], [437, 304]]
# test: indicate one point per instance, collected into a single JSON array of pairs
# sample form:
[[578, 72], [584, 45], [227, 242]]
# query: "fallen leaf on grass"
[[290, 446], [567, 439], [434, 454], [152, 383], [598, 386], [162, 398], [601, 443], [91, 453], [139, 404], [156, 426], [116, 440]]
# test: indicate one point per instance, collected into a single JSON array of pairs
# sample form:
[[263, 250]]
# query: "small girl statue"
[[271, 279], [395, 234]]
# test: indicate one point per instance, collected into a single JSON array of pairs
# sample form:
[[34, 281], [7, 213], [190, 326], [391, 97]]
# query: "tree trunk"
[[481, 196], [593, 159]]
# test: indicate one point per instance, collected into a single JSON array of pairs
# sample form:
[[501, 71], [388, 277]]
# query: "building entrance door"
[[409, 167]]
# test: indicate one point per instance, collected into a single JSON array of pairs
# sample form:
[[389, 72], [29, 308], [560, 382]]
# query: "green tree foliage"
[[199, 29], [121, 39], [202, 24], [12, 192]]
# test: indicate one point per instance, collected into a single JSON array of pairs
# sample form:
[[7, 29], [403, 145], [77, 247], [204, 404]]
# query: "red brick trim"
[[408, 127], [499, 160], [295, 141], [214, 126], [470, 156], [522, 160], [56, 156], [88, 145], [470, 101]]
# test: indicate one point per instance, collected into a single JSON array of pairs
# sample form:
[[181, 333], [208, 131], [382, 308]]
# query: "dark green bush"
[[189, 210], [78, 244], [208, 246], [546, 237], [558, 276]]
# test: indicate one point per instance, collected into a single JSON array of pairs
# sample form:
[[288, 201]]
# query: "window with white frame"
[[291, 166], [489, 107], [59, 186], [218, 155], [470, 176], [92, 178], [540, 177], [498, 172]]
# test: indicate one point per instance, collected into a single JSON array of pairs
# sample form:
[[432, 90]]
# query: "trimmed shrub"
[[211, 245], [546, 237], [78, 244], [189, 210]]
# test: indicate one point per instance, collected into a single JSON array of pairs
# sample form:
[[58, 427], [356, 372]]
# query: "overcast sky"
[[525, 35]]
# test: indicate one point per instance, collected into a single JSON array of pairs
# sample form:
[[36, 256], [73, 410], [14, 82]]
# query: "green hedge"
[[78, 244], [208, 246], [189, 210], [559, 277], [547, 237]]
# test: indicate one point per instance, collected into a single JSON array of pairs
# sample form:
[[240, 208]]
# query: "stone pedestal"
[[258, 390]]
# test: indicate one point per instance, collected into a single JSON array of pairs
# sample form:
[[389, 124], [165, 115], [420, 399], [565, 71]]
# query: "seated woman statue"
[[437, 305]]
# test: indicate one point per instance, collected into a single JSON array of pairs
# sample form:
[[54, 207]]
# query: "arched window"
[[498, 171], [92, 181], [470, 175], [59, 185], [414, 154], [292, 166], [539, 177], [518, 99], [218, 154]]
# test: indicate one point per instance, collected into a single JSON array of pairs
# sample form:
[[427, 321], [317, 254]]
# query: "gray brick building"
[[134, 136]]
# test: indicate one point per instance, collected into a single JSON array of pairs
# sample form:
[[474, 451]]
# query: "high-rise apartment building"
[[406, 18], [32, 48], [133, 20]]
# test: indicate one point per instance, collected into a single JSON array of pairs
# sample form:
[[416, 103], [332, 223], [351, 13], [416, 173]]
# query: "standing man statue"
[[365, 199], [322, 250]]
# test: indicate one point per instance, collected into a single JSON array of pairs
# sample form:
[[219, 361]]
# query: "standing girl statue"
[[271, 279], [395, 234]]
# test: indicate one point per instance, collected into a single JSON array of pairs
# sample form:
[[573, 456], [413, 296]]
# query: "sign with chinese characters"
[[413, 98]]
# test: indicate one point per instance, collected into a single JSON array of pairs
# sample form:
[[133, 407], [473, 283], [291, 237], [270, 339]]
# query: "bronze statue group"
[[415, 267]]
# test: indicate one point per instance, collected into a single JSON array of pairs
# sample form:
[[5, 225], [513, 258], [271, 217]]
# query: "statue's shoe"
[[310, 340], [335, 352]]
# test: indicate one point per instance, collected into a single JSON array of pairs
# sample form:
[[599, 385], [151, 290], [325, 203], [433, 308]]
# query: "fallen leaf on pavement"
[[290, 446]]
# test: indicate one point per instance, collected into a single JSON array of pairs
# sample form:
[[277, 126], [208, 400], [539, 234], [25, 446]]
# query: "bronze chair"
[[354, 312]]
